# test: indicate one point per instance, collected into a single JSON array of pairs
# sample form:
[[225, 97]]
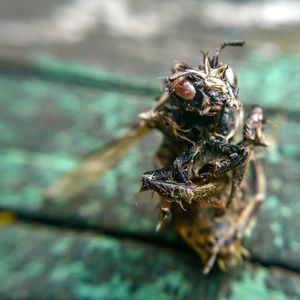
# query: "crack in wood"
[[73, 224]]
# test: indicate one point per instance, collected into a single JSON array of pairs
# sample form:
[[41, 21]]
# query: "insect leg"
[[165, 182], [237, 154], [252, 136], [253, 128], [240, 226], [164, 212]]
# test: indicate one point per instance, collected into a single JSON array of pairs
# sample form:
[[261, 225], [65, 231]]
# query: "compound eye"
[[183, 88], [231, 77]]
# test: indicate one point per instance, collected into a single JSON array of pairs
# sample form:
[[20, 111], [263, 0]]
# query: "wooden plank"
[[50, 263], [44, 132], [47, 125], [59, 71]]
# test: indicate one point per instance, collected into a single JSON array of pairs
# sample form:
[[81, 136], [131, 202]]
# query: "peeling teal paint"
[[35, 269], [72, 270], [104, 244], [87, 74], [116, 288], [271, 202], [159, 288], [60, 247], [253, 285], [277, 234], [264, 80], [295, 245]]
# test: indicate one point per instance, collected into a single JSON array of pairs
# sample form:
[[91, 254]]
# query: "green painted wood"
[[48, 263], [81, 75], [49, 120], [44, 132]]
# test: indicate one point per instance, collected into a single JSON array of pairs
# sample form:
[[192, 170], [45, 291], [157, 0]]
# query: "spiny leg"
[[165, 156], [174, 184], [217, 157], [238, 228], [253, 128], [236, 154], [252, 136]]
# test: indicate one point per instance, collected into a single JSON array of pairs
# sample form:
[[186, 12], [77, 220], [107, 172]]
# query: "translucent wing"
[[86, 173]]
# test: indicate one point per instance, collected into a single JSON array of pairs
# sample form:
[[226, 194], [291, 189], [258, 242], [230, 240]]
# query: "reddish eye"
[[183, 88]]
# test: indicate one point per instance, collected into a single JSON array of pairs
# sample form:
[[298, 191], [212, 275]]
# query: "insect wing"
[[91, 167]]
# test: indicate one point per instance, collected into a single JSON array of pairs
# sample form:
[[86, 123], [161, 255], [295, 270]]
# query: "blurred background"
[[74, 74], [142, 37]]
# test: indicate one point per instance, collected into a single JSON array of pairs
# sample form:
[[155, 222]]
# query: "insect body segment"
[[201, 175]]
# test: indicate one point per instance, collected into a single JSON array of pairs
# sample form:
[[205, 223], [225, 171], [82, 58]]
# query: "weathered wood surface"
[[50, 118], [49, 263]]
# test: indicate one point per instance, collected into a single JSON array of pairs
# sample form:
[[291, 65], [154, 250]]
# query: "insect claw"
[[143, 188], [209, 264], [245, 252], [181, 205]]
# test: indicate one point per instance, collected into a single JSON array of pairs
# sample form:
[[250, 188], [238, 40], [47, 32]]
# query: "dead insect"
[[200, 175]]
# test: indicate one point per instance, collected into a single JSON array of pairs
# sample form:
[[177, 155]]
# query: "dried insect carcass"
[[201, 172], [200, 175]]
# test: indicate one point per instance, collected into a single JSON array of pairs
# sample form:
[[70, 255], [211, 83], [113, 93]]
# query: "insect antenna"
[[215, 58]]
